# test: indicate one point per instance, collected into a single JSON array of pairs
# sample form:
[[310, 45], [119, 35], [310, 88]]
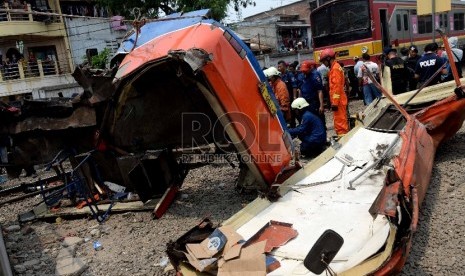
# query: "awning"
[[292, 26]]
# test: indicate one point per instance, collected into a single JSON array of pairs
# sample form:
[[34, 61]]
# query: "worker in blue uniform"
[[310, 85], [311, 131]]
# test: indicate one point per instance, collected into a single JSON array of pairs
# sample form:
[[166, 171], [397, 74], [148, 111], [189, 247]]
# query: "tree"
[[152, 8], [100, 61]]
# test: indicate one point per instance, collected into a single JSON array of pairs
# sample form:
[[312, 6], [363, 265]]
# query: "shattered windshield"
[[340, 22], [321, 23], [349, 16]]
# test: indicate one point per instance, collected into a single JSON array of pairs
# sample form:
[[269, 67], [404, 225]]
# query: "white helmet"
[[299, 103], [272, 71]]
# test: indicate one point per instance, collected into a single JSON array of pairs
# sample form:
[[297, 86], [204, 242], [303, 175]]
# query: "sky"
[[262, 5]]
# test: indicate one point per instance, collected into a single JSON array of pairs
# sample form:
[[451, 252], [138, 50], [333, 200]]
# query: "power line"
[[17, 11], [69, 35]]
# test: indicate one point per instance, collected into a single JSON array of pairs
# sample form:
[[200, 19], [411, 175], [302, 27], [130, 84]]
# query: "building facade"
[[93, 35], [284, 29], [34, 49], [39, 48]]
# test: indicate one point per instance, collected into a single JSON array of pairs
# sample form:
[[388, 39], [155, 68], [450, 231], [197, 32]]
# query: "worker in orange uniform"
[[338, 97], [280, 91]]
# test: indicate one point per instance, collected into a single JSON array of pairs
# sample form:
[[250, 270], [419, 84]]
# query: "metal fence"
[[25, 13], [23, 70]]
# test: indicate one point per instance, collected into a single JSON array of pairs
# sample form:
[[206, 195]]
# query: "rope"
[[137, 24], [335, 178]]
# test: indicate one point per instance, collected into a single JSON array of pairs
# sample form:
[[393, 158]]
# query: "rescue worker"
[[311, 88], [337, 96], [289, 78], [411, 64], [280, 91], [399, 71], [428, 64], [310, 132]]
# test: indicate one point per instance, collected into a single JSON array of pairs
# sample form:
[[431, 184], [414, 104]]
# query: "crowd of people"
[[412, 71], [9, 67], [301, 94]]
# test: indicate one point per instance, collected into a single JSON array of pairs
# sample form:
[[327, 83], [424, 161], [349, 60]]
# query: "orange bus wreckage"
[[185, 91]]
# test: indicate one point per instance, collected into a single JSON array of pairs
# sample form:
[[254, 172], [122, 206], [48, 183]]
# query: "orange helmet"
[[327, 53], [307, 65]]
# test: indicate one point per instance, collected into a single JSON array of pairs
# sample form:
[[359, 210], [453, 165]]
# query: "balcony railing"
[[24, 70], [26, 13]]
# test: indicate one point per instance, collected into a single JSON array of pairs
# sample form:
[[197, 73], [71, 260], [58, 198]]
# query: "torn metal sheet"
[[275, 234], [81, 117]]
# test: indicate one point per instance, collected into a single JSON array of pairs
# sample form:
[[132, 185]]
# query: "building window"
[[425, 24], [459, 21]]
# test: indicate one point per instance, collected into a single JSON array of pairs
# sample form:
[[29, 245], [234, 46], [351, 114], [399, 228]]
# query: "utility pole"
[[434, 20]]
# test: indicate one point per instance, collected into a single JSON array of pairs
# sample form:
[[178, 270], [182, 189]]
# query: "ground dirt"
[[134, 244]]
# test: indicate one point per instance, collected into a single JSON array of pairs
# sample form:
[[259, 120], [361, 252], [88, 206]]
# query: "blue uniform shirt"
[[309, 86], [289, 79], [427, 65], [311, 129]]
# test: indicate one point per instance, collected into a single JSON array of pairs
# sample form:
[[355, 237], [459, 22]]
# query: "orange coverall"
[[338, 98], [281, 94]]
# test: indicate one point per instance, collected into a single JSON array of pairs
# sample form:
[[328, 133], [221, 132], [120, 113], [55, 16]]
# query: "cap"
[[431, 47], [388, 50]]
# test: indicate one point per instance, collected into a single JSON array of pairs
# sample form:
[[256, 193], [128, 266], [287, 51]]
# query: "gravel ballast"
[[134, 244]]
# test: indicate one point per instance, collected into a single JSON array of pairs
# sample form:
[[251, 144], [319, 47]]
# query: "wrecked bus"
[[186, 81]]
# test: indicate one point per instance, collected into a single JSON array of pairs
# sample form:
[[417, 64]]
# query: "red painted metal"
[[420, 139], [165, 201], [275, 234], [397, 260], [415, 213]]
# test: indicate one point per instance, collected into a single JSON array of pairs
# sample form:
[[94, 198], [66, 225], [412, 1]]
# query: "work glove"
[[334, 108]]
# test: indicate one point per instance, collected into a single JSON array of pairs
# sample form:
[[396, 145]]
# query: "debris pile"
[[225, 252]]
